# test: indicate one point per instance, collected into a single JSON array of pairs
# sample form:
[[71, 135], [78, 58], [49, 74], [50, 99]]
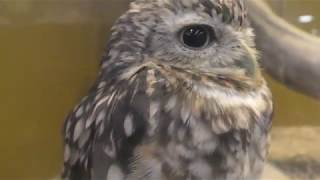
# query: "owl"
[[179, 96]]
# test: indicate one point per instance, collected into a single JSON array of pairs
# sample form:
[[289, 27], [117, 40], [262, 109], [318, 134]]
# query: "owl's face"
[[201, 36], [190, 35]]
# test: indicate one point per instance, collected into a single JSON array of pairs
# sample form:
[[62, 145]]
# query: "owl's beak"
[[249, 62]]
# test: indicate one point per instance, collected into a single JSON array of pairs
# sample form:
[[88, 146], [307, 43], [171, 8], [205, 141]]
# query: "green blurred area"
[[49, 55], [45, 69]]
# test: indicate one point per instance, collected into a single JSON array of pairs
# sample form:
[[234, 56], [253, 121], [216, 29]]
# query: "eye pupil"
[[196, 36]]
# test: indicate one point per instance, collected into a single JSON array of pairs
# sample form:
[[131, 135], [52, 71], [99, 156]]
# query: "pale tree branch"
[[288, 54]]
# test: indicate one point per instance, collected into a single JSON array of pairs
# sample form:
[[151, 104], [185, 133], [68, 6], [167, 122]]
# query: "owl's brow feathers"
[[231, 11]]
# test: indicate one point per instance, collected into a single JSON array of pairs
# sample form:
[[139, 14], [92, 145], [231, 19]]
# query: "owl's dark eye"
[[197, 36]]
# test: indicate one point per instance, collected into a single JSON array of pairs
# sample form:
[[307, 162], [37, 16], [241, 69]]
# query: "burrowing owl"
[[179, 96]]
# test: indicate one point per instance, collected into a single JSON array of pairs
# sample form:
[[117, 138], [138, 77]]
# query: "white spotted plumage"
[[128, 125]]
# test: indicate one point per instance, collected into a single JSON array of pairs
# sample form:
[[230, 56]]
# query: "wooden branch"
[[288, 54]]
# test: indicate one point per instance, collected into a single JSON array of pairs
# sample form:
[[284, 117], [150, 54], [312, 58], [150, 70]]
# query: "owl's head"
[[200, 35]]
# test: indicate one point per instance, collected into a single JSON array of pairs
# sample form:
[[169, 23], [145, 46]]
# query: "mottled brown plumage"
[[168, 105]]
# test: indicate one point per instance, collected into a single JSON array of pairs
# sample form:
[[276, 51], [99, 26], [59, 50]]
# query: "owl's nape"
[[179, 96]]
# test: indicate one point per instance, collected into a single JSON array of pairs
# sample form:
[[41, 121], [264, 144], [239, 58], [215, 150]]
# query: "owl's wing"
[[108, 124]]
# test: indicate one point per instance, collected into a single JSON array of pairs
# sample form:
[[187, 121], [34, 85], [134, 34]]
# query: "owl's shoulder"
[[111, 120]]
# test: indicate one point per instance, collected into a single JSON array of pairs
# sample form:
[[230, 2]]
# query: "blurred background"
[[49, 56]]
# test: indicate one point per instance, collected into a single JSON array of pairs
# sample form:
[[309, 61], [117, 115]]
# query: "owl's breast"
[[203, 132]]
